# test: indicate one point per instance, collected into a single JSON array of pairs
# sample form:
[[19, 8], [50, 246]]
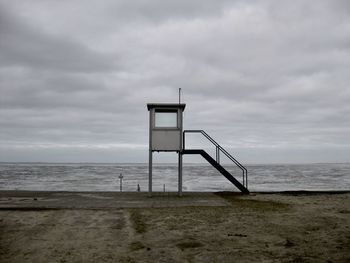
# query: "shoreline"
[[26, 200], [190, 192]]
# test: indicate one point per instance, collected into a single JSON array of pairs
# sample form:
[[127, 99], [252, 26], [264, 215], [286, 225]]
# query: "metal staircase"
[[243, 187]]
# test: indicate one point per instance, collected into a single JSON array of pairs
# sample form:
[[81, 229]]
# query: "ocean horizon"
[[87, 176]]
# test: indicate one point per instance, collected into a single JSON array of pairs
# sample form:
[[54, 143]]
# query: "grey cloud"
[[262, 77], [23, 45]]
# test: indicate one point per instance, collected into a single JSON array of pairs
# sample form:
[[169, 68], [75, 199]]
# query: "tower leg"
[[180, 174], [150, 164]]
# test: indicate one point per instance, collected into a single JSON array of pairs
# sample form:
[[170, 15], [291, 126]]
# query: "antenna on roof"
[[179, 95]]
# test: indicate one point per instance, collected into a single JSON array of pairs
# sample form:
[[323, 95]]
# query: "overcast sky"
[[269, 80]]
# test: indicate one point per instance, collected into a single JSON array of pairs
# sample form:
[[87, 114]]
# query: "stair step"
[[218, 167]]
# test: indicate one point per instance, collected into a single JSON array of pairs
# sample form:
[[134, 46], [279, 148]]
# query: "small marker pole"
[[121, 182]]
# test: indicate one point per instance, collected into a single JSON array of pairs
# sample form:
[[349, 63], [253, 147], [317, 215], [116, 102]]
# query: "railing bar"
[[209, 138], [239, 165], [205, 135], [218, 148], [231, 157], [243, 179], [236, 162], [227, 154], [218, 154]]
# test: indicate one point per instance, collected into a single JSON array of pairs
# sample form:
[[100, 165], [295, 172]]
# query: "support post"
[[150, 173], [180, 174], [150, 153]]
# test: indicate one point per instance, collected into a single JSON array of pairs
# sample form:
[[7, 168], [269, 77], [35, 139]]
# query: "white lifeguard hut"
[[165, 134]]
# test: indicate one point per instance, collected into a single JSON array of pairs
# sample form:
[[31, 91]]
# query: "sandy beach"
[[198, 227]]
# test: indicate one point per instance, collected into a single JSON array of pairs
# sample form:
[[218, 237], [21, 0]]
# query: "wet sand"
[[199, 227]]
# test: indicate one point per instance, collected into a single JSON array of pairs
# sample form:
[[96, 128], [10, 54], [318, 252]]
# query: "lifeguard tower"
[[166, 135]]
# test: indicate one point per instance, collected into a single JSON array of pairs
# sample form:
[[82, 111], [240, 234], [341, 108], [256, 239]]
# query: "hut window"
[[165, 119]]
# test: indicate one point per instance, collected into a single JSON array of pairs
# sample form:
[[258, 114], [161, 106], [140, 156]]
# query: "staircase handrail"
[[220, 148]]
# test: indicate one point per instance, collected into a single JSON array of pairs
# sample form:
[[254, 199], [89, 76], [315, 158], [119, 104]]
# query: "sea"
[[196, 177]]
